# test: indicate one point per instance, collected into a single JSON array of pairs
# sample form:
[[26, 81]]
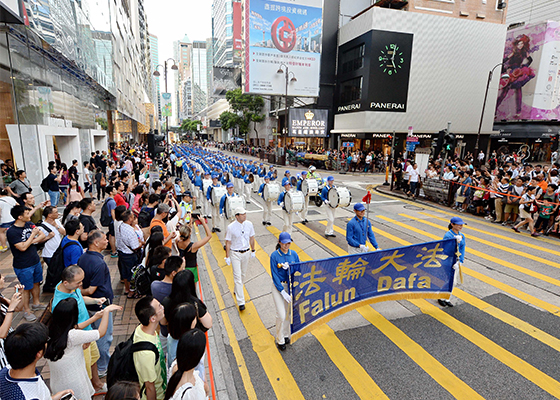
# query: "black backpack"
[[105, 218], [145, 217], [141, 281], [121, 364], [40, 246], [45, 186], [56, 266]]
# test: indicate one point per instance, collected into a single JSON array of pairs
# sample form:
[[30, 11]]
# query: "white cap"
[[239, 210]]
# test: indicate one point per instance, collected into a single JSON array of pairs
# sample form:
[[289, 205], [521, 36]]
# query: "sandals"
[[133, 295]]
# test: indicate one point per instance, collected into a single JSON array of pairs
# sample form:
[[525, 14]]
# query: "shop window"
[[353, 59], [351, 90]]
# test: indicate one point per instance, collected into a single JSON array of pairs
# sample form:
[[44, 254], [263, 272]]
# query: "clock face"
[[391, 59]]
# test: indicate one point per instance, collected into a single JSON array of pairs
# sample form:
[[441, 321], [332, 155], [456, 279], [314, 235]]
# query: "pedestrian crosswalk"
[[434, 353]]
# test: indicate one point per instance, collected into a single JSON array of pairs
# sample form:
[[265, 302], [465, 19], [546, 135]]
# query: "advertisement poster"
[[282, 34], [225, 79], [308, 123], [530, 77], [166, 105], [237, 31]]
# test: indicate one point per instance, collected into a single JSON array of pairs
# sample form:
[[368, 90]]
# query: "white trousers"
[[247, 191], [216, 216], [305, 208], [226, 222], [357, 250], [283, 314], [267, 211], [330, 220], [208, 207], [239, 263], [288, 222]]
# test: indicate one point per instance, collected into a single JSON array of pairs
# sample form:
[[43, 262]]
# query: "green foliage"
[[246, 109], [102, 123], [190, 126]]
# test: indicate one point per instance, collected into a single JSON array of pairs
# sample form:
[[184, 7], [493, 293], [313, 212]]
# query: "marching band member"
[[206, 184], [261, 172], [358, 232], [247, 184], [455, 226], [267, 209], [305, 199], [288, 217], [230, 193], [280, 262], [286, 178], [198, 188], [215, 207], [329, 231], [240, 238]]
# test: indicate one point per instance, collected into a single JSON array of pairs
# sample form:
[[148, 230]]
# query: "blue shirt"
[[281, 197], [96, 273], [358, 232], [73, 252], [285, 179], [462, 245], [83, 314], [280, 275], [223, 201], [325, 192], [261, 189]]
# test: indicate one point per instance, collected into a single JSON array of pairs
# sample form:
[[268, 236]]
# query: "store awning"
[[524, 131]]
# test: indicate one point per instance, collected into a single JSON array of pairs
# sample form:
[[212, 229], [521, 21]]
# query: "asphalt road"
[[500, 341]]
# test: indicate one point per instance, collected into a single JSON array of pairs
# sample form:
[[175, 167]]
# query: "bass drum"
[[309, 187], [339, 197], [206, 183], [217, 194], [271, 191], [231, 204], [293, 201]]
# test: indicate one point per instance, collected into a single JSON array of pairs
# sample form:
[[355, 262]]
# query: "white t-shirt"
[[239, 235], [52, 244], [190, 392], [6, 204], [413, 173]]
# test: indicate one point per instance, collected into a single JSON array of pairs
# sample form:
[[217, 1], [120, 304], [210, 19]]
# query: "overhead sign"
[[308, 123], [348, 144], [323, 289], [412, 139], [283, 34]]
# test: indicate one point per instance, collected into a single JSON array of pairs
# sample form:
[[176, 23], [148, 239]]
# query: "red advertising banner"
[[237, 39]]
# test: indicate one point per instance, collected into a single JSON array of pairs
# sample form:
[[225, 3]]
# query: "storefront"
[[533, 141], [307, 129]]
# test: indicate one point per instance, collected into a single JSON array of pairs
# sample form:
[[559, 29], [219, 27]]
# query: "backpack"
[[105, 218], [56, 266], [40, 246], [145, 217], [121, 364], [45, 185], [141, 281]]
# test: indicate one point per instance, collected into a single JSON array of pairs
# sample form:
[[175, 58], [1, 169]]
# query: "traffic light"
[[397, 142], [449, 142], [389, 140], [554, 141], [156, 144]]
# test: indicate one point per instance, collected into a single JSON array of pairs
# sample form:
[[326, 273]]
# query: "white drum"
[[217, 194], [271, 191], [206, 183], [309, 187], [339, 197], [231, 204], [293, 201]]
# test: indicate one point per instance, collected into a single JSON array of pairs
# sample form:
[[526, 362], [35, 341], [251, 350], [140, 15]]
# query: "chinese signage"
[[166, 105], [323, 289], [308, 123], [280, 34]]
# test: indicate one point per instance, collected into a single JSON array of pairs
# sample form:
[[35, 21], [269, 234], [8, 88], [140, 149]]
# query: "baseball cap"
[[287, 183], [330, 178], [285, 238], [457, 221], [239, 210], [187, 193], [359, 207], [229, 184], [286, 173], [304, 172], [214, 176]]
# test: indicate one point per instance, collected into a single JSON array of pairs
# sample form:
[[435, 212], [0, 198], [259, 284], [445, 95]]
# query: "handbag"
[[46, 316], [460, 199]]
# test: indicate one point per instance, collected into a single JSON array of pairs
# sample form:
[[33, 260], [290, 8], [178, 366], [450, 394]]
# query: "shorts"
[[112, 229], [524, 214], [6, 224], [30, 275], [126, 263], [511, 209], [91, 355]]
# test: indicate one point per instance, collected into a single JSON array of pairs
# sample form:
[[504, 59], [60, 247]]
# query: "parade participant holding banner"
[[214, 196], [329, 232], [455, 226], [268, 191], [280, 262], [240, 238], [288, 216], [358, 232]]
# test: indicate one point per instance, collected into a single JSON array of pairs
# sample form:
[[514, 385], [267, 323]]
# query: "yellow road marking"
[[495, 245], [521, 242], [376, 231], [330, 245], [355, 374], [551, 308], [239, 359], [279, 376], [509, 319], [496, 260], [520, 366], [442, 375]]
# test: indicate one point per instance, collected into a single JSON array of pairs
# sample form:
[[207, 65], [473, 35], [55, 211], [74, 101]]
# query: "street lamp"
[[490, 74], [289, 80], [157, 73]]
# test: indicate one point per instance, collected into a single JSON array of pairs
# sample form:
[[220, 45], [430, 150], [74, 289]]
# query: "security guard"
[[329, 231], [358, 232]]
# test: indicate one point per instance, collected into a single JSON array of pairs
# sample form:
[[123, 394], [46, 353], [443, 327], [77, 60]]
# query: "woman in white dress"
[[64, 352], [186, 384]]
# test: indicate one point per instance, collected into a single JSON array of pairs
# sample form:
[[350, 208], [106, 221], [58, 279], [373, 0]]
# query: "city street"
[[495, 343]]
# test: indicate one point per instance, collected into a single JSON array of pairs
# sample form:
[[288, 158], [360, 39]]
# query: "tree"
[[246, 108], [190, 126]]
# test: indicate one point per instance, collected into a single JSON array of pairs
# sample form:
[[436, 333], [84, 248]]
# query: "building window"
[[351, 90], [353, 59]]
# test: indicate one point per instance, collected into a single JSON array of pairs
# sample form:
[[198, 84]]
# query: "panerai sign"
[[308, 123]]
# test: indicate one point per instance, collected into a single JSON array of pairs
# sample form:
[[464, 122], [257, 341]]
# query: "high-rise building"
[[226, 20], [156, 90], [530, 12], [199, 77], [209, 72], [182, 50]]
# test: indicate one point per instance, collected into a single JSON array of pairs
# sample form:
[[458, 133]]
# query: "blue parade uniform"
[[358, 232], [280, 275], [462, 244]]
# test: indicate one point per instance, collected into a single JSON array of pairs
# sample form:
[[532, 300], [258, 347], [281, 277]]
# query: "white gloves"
[[228, 261], [378, 249], [285, 265], [364, 248], [281, 205], [458, 238], [253, 254], [286, 296], [326, 202]]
